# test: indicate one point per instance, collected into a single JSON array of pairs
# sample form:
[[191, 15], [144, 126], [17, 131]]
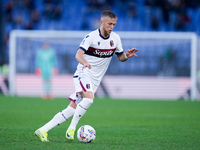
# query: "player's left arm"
[[128, 54]]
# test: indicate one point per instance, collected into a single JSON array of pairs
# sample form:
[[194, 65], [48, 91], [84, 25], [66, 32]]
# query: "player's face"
[[107, 25], [45, 45]]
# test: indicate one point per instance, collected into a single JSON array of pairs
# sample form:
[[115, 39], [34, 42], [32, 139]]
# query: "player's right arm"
[[79, 57]]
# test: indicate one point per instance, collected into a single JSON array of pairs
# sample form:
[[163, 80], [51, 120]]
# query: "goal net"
[[165, 69]]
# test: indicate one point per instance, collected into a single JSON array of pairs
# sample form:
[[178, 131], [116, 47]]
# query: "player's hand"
[[37, 71], [131, 52], [86, 65], [55, 71]]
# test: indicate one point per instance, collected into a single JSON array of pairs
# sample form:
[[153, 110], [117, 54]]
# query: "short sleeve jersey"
[[98, 53], [46, 61]]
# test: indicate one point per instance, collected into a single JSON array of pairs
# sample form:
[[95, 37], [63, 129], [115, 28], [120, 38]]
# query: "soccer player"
[[94, 55], [46, 63]]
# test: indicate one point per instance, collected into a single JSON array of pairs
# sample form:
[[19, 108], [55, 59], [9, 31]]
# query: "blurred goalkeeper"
[[46, 66], [94, 55]]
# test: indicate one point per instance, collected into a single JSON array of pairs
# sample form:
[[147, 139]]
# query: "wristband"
[[126, 56]]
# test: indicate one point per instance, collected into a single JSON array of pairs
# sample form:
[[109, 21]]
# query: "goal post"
[[41, 35], [173, 35], [23, 42]]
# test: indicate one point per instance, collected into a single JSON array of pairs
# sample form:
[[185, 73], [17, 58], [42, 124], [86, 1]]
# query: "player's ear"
[[101, 22]]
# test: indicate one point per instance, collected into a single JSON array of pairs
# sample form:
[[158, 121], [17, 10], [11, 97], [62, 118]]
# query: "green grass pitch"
[[119, 124]]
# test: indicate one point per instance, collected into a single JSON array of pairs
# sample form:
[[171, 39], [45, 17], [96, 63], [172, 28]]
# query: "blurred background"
[[162, 70]]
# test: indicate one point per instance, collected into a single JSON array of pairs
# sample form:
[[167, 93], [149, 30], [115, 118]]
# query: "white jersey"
[[98, 53]]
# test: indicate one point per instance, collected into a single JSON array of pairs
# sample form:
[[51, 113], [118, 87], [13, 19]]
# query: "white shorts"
[[82, 84]]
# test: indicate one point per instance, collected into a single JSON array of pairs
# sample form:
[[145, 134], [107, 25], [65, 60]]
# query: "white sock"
[[58, 119], [80, 111]]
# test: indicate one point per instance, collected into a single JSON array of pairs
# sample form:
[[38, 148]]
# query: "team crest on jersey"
[[88, 86], [98, 43], [111, 43]]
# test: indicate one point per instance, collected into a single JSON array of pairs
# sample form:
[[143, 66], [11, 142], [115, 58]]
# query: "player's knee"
[[73, 104], [88, 94]]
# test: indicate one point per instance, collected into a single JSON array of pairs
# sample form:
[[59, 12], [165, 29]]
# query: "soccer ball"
[[86, 134]]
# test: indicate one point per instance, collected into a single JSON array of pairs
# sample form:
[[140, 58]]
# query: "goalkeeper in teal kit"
[[46, 63]]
